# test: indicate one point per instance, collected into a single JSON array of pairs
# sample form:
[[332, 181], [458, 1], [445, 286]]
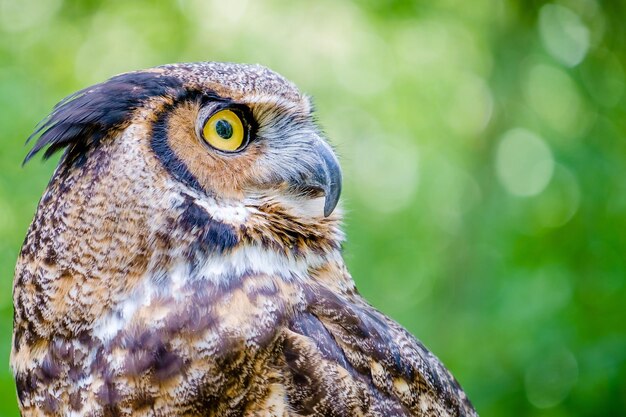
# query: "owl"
[[186, 260]]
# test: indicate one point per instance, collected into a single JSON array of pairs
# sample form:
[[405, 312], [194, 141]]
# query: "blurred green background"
[[483, 149]]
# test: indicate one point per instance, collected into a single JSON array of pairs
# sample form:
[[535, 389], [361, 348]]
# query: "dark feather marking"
[[191, 320], [76, 401], [18, 332], [49, 370], [84, 337], [75, 372], [148, 351], [50, 257], [26, 383], [143, 400], [100, 365], [166, 155], [111, 411], [141, 346], [50, 404], [167, 363], [308, 325], [84, 118], [61, 349], [138, 362], [107, 394], [212, 235], [329, 304], [270, 291], [305, 398]]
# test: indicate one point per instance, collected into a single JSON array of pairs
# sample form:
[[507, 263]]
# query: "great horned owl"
[[186, 260]]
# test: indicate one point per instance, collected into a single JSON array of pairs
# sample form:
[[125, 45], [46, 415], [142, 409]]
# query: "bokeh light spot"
[[555, 98], [524, 163], [551, 377], [563, 34]]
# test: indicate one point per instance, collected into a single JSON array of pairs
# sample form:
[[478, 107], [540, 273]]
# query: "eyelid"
[[205, 114]]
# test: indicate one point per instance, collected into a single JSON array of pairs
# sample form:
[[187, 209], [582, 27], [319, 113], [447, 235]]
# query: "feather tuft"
[[82, 119]]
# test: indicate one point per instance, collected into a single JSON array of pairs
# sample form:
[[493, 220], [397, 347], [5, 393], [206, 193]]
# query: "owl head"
[[235, 135]]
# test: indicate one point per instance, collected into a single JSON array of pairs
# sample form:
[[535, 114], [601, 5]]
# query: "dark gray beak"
[[332, 175], [326, 176]]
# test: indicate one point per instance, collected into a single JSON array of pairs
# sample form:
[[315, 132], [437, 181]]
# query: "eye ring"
[[225, 131]]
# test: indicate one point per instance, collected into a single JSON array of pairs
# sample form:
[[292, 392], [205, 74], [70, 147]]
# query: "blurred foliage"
[[483, 149]]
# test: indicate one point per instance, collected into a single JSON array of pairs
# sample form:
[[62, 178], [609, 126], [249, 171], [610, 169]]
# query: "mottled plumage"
[[163, 277]]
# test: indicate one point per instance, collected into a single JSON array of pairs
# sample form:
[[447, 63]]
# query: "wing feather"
[[346, 358]]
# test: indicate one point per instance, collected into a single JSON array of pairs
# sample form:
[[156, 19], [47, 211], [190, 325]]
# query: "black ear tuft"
[[82, 119]]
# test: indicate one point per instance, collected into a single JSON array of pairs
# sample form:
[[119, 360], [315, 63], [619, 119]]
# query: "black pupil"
[[224, 129]]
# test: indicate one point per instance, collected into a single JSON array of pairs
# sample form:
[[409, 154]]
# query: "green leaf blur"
[[484, 154]]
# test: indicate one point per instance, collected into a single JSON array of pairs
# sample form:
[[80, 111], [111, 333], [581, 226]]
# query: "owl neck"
[[263, 236]]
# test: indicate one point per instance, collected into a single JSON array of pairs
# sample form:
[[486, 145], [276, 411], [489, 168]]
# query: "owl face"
[[235, 133]]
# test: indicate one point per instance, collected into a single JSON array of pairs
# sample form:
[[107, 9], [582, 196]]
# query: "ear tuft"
[[82, 119]]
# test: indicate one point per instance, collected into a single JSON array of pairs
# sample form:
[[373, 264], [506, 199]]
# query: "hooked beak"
[[325, 176]]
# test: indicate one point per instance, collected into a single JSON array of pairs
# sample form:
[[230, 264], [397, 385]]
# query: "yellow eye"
[[224, 131]]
